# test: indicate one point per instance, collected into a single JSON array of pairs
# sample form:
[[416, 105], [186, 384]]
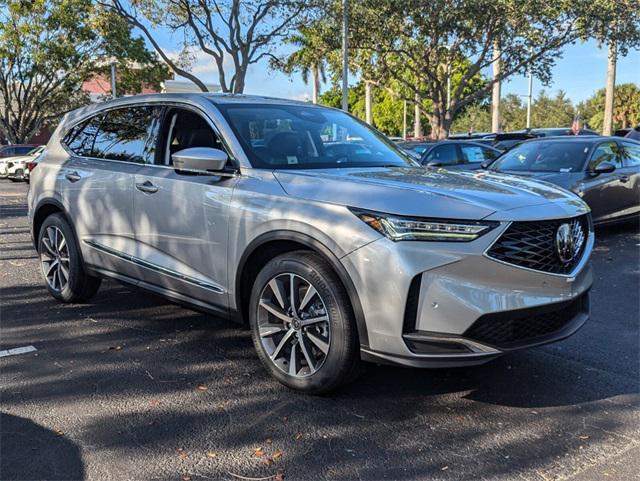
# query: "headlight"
[[398, 228]]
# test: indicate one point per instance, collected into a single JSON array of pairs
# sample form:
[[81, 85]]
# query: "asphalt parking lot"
[[131, 386]]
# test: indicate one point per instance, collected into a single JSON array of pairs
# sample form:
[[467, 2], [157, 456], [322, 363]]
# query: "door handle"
[[624, 178], [73, 176], [147, 187]]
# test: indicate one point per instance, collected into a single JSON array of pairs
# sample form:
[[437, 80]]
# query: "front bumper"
[[422, 300]]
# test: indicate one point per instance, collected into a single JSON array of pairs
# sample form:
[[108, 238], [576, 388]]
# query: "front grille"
[[533, 245], [525, 326]]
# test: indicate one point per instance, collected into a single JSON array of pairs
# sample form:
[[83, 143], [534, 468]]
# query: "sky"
[[580, 72]]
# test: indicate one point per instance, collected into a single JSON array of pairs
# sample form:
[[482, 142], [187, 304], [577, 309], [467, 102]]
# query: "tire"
[[19, 176], [321, 352], [60, 259]]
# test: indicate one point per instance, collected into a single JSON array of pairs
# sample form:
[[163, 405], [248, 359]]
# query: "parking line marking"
[[17, 350]]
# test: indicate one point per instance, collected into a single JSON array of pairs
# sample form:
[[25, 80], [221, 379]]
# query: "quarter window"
[[630, 154], [128, 134]]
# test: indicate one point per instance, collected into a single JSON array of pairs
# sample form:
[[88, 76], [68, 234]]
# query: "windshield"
[[300, 137], [544, 156]]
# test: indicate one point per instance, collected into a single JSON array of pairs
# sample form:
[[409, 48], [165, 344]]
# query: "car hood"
[[428, 192]]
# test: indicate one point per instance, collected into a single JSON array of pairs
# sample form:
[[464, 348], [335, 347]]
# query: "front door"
[[604, 192], [181, 219]]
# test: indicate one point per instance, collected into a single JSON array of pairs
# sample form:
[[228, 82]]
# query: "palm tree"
[[309, 59]]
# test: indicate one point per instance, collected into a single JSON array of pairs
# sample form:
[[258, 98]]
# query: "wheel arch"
[[274, 243], [44, 209]]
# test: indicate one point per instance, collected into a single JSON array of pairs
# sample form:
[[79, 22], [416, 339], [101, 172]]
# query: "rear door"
[[629, 175], [445, 154], [604, 193], [97, 183], [181, 219]]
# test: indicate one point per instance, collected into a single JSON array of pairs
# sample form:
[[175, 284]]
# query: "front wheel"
[[302, 323], [61, 262]]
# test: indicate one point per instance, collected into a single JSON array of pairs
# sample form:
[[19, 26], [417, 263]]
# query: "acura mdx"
[[311, 227]]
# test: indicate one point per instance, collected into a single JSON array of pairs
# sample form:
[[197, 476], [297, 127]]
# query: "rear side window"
[[476, 153], [23, 150], [8, 152], [630, 154], [81, 137], [128, 134]]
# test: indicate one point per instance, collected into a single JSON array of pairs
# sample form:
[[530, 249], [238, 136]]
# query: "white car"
[[15, 168]]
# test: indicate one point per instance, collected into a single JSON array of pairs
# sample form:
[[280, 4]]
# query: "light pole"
[[345, 55], [529, 99], [113, 80]]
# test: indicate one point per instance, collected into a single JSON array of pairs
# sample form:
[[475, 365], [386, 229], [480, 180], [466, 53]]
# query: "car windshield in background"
[[544, 156], [299, 137]]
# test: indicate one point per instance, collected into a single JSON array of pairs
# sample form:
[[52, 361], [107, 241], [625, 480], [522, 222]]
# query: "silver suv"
[[312, 228]]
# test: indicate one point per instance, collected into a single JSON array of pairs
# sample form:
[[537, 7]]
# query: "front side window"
[[543, 156], [606, 152], [128, 134], [445, 154], [301, 137], [630, 153]]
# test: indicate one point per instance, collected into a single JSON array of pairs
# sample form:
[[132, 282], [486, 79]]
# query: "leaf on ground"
[[202, 387], [268, 461], [279, 475], [259, 452], [211, 454], [59, 432], [298, 436], [584, 437], [182, 453], [277, 455], [154, 402], [186, 477], [268, 440], [444, 468]]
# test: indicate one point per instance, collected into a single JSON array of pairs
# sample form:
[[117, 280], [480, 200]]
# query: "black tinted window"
[[127, 134], [445, 154], [80, 138], [630, 153], [544, 156], [23, 150]]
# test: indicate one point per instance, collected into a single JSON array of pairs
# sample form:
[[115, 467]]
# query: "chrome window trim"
[[231, 144], [586, 254], [154, 267]]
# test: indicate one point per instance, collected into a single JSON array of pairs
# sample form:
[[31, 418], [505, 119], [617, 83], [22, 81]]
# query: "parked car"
[[603, 171], [15, 149], [16, 167], [461, 154], [230, 204], [634, 134], [556, 131]]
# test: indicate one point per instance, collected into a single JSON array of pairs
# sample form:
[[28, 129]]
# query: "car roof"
[[591, 139]]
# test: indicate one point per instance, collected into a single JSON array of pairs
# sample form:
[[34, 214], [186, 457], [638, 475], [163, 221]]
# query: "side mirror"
[[603, 168], [485, 165], [434, 164], [201, 159]]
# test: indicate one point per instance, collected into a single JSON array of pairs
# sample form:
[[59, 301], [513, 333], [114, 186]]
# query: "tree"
[[626, 112], [421, 43], [309, 59], [48, 48], [617, 25], [552, 112], [234, 33]]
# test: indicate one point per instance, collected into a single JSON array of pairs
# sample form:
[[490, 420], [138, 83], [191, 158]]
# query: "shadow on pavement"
[[29, 451]]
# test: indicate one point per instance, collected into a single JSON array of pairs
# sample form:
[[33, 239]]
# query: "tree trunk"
[[368, 102], [495, 97], [315, 73], [417, 124], [611, 84]]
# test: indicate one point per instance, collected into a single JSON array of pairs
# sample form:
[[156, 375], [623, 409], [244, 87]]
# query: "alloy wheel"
[[293, 325], [54, 258]]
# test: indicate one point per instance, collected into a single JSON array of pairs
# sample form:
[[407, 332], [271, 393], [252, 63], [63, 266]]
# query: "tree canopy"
[[49, 47]]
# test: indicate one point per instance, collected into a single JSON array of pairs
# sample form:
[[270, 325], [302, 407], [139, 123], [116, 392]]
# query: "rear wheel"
[[302, 323], [18, 176], [61, 262]]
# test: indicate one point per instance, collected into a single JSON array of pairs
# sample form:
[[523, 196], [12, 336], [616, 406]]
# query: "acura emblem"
[[569, 240]]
